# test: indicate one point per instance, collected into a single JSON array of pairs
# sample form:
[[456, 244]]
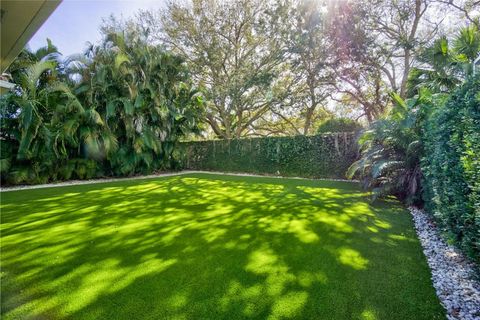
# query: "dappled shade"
[[204, 246]]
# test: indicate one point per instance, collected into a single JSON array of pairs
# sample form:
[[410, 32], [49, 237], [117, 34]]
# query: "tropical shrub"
[[339, 125], [146, 101], [451, 165], [390, 153], [118, 110], [427, 149], [35, 118]]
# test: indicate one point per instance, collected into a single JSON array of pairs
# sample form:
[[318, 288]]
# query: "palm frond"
[[33, 73]]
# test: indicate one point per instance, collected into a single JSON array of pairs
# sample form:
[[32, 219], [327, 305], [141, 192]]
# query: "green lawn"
[[203, 246]]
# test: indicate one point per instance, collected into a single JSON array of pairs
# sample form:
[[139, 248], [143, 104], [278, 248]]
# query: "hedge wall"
[[451, 165], [320, 156]]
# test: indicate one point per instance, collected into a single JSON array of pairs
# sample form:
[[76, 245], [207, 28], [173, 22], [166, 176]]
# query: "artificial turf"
[[203, 246]]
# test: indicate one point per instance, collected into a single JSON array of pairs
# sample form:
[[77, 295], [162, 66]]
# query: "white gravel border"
[[453, 275], [159, 175]]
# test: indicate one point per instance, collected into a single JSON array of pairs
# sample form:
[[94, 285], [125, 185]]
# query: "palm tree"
[[119, 108], [43, 120], [145, 99], [28, 110], [446, 64]]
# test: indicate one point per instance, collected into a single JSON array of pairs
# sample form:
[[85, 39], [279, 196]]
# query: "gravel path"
[[453, 275]]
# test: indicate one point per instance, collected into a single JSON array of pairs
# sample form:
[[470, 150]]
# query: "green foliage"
[[445, 64], [233, 51], [451, 165], [123, 115], [320, 156], [391, 149], [427, 148], [339, 125], [38, 119], [146, 100]]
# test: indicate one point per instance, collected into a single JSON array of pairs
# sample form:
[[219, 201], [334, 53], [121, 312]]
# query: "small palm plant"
[[390, 154]]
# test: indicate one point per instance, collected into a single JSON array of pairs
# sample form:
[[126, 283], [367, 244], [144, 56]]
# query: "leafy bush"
[[451, 165], [390, 153], [131, 104], [326, 156], [339, 125]]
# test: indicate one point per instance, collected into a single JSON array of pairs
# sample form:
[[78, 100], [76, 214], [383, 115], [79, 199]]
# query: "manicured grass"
[[203, 246]]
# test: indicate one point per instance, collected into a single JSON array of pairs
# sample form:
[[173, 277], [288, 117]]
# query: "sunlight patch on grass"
[[289, 306], [110, 277], [300, 228], [352, 258], [382, 224], [263, 260], [339, 224], [307, 279], [397, 237], [178, 300], [368, 315]]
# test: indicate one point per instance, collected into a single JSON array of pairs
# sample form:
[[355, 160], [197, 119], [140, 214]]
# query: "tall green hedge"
[[339, 125], [320, 156], [451, 165]]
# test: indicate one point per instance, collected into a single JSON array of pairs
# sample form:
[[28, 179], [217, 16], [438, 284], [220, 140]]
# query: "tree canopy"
[[283, 67]]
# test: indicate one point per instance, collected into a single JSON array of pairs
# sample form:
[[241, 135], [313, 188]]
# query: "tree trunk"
[[308, 120]]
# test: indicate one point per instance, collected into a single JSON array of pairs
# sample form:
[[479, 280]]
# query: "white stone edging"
[[453, 275]]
